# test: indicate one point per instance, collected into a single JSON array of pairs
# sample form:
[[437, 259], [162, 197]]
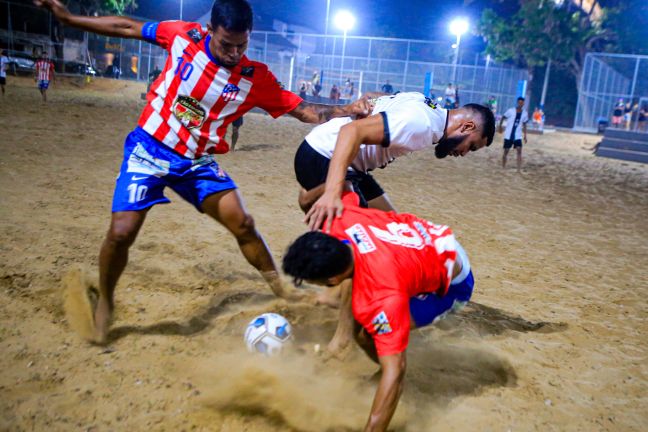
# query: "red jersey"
[[194, 99], [396, 256], [44, 69]]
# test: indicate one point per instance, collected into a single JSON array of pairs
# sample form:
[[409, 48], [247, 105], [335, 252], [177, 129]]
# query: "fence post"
[[291, 74], [406, 67], [139, 60]]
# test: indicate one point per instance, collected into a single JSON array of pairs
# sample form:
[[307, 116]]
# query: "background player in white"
[[346, 149], [513, 135], [4, 61], [207, 83]]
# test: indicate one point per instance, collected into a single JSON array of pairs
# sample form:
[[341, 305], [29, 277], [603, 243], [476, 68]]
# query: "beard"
[[446, 145]]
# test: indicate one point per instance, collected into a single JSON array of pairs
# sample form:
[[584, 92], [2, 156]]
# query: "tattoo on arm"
[[317, 113]]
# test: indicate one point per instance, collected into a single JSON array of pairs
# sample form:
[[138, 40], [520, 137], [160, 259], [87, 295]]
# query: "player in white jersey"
[[346, 149], [516, 130], [4, 61], [207, 82]]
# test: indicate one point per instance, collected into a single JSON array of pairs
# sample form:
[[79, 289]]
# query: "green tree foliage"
[[539, 31], [630, 24], [89, 7]]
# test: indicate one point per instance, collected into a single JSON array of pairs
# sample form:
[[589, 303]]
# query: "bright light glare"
[[344, 20], [459, 26]]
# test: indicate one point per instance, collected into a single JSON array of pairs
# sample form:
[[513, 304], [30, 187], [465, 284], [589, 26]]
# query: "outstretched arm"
[[388, 393], [115, 26], [369, 130], [320, 113], [344, 331]]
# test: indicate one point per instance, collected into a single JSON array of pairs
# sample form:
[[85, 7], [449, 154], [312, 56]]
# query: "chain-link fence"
[[363, 63], [613, 92]]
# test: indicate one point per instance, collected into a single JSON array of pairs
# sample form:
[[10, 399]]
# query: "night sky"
[[416, 19]]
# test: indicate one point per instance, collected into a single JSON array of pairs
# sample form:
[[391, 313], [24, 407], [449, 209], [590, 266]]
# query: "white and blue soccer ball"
[[268, 334]]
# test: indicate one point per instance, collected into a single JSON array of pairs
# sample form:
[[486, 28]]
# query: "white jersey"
[[412, 122], [4, 61], [514, 124]]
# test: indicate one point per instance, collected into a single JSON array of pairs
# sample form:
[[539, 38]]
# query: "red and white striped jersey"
[[44, 69], [194, 99]]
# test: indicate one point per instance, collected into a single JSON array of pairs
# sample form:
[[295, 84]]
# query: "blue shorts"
[[43, 84], [428, 308], [149, 166]]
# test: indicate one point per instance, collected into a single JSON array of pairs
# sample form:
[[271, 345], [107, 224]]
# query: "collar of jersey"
[[208, 51]]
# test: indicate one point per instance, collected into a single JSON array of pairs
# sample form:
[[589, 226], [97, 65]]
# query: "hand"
[[360, 108], [57, 8], [325, 208], [500, 129], [525, 139]]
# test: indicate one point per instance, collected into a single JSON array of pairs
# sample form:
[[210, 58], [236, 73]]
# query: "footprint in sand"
[[79, 301]]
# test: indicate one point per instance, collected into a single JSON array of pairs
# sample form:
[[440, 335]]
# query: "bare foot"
[[102, 319]]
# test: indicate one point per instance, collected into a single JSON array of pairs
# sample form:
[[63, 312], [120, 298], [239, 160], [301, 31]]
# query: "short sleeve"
[[408, 128], [390, 325], [525, 117], [162, 33], [273, 98]]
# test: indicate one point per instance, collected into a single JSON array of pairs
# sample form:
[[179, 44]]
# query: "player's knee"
[[245, 229], [304, 203], [122, 232]]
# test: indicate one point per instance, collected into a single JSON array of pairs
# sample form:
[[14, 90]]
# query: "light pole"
[[344, 20], [458, 27], [181, 7]]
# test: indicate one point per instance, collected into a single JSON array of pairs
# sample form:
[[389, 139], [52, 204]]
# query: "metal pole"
[[292, 69], [360, 84], [343, 49], [139, 60], [456, 58], [181, 8], [545, 84], [406, 67]]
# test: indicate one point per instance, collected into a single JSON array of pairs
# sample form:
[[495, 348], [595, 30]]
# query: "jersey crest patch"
[[189, 111], [359, 236], [230, 91], [381, 324], [247, 71], [431, 103], [194, 35]]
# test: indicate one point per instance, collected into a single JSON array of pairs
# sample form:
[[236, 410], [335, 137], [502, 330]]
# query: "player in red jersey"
[[406, 272], [206, 84], [43, 74]]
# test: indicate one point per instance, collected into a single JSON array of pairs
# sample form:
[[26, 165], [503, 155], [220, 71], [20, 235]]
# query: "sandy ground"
[[554, 341]]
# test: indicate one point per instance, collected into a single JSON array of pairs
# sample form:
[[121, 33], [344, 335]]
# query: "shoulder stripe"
[[386, 137]]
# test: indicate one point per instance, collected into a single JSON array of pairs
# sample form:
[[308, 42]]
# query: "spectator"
[[538, 116], [152, 77], [302, 90], [450, 97], [335, 94], [387, 87], [316, 84], [492, 104], [617, 114], [642, 118], [3, 71], [627, 114], [348, 89]]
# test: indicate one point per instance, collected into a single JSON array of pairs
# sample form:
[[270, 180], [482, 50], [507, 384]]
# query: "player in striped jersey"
[[43, 74], [206, 84]]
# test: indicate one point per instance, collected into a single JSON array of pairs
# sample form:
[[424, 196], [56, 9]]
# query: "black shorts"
[[512, 143], [3, 80], [311, 169], [238, 122]]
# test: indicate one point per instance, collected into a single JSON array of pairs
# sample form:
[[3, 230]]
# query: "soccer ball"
[[267, 334]]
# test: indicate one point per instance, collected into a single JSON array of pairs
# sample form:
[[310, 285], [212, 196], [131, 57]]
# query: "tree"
[[541, 31]]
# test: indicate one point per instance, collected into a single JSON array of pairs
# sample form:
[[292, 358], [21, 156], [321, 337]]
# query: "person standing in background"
[[513, 136]]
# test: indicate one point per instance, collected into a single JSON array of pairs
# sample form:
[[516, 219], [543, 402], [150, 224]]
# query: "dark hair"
[[316, 256], [488, 120], [521, 98], [232, 15]]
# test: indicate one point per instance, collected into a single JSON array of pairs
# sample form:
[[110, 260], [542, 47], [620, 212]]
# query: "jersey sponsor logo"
[[189, 111], [142, 162], [194, 35], [361, 238], [381, 324], [230, 91], [247, 71]]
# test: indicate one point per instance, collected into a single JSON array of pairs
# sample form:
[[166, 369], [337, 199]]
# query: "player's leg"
[[366, 342], [374, 194], [507, 147], [518, 149], [235, 136], [3, 82], [227, 208], [113, 257]]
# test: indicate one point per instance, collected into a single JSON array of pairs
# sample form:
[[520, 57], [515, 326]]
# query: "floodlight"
[[459, 26], [344, 20]]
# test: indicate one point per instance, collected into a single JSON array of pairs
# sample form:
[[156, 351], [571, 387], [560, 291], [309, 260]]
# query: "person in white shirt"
[[513, 135], [398, 125], [4, 61]]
